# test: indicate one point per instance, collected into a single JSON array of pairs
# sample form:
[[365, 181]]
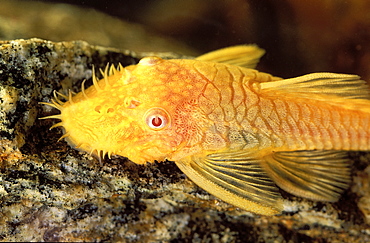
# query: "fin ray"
[[318, 175], [341, 85], [241, 182], [242, 55]]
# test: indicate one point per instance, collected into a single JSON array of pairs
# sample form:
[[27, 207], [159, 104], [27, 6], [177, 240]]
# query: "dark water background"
[[299, 36]]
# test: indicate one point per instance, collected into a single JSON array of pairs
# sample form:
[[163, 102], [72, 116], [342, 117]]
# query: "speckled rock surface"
[[51, 192]]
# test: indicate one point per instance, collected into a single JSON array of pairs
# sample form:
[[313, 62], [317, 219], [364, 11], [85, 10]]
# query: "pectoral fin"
[[238, 180], [243, 55], [317, 175]]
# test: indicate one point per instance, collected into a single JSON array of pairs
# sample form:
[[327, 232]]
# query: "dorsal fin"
[[343, 90], [243, 55], [333, 84]]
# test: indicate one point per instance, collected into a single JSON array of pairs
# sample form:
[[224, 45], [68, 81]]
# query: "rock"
[[64, 22], [51, 192]]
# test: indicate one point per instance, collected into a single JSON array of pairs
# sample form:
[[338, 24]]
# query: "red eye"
[[157, 121], [157, 118]]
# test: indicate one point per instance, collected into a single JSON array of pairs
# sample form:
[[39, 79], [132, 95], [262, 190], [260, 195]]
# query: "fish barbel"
[[235, 131]]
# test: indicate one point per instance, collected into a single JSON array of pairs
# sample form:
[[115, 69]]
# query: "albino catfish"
[[234, 131]]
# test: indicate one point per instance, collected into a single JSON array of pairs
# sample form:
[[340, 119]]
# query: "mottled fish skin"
[[247, 116], [234, 131]]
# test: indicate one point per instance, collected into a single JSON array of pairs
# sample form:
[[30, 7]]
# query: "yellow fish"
[[234, 131]]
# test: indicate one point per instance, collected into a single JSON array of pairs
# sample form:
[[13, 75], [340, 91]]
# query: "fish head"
[[144, 112]]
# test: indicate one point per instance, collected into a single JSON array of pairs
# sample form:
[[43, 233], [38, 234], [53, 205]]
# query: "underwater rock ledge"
[[51, 192]]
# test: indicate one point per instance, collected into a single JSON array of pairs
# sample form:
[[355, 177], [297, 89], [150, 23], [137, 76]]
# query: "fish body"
[[235, 131]]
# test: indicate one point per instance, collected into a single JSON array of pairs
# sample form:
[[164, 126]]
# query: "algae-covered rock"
[[31, 70], [51, 192]]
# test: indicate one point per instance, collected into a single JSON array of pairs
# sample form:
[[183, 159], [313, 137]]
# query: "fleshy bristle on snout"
[[108, 71], [56, 102], [63, 101], [100, 154]]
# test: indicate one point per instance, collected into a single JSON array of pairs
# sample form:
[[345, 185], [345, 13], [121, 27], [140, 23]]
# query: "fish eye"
[[157, 118]]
